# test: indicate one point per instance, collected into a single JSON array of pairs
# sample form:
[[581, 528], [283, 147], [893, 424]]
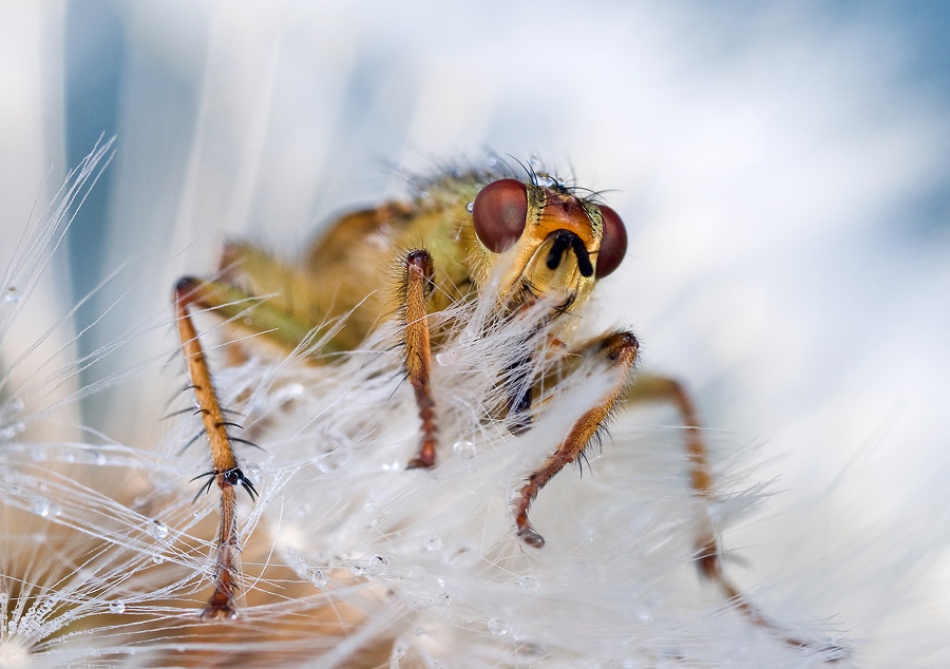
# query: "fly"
[[535, 239]]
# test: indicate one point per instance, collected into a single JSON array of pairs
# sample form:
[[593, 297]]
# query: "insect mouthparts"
[[564, 239]]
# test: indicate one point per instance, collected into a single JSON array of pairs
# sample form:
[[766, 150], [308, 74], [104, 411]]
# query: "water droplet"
[[377, 564], [645, 613], [289, 393], [118, 606], [546, 180], [464, 449], [318, 578], [399, 651], [157, 559], [433, 543], [446, 358], [470, 207], [423, 602], [158, 529], [40, 507], [253, 471], [334, 461], [528, 582], [11, 295], [36, 454], [497, 626]]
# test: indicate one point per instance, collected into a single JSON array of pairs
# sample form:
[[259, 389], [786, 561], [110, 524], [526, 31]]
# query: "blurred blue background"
[[97, 51], [782, 167]]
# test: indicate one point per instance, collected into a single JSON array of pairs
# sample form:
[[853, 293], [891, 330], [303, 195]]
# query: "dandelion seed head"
[[350, 522], [738, 156]]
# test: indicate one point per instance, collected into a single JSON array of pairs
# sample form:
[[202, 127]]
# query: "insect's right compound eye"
[[613, 245], [500, 212]]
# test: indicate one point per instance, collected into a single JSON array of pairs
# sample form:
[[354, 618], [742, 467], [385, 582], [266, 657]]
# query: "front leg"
[[619, 350], [417, 285]]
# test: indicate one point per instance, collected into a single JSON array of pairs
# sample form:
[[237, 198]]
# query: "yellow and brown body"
[[511, 245]]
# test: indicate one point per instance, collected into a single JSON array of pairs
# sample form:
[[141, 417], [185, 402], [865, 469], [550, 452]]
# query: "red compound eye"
[[613, 245], [500, 212]]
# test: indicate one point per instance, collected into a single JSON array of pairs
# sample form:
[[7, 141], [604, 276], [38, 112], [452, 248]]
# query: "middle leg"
[[709, 560]]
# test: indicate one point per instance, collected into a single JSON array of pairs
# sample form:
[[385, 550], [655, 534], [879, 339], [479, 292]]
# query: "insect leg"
[[650, 388], [619, 349], [418, 286], [225, 470]]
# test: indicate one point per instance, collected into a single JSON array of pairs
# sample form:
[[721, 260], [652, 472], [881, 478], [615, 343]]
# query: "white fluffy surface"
[[781, 175]]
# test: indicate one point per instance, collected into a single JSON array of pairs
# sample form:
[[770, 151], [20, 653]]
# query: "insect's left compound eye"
[[500, 212], [613, 245]]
